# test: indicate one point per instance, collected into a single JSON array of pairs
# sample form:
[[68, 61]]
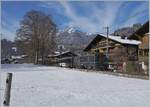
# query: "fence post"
[[8, 89], [124, 67]]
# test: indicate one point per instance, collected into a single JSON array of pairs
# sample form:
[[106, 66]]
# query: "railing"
[[104, 45]]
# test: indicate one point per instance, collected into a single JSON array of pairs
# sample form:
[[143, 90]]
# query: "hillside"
[[127, 31], [72, 39]]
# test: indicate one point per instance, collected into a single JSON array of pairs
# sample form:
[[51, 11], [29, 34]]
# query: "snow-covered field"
[[43, 86]]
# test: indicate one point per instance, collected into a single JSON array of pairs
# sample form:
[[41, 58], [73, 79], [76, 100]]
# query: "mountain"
[[72, 39], [127, 31], [70, 30]]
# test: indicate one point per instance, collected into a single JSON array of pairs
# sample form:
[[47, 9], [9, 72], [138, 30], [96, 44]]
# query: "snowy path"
[[42, 86]]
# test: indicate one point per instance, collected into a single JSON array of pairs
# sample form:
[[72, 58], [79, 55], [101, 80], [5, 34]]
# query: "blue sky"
[[90, 17]]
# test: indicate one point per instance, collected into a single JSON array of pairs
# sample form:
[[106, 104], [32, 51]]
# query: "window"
[[132, 52]]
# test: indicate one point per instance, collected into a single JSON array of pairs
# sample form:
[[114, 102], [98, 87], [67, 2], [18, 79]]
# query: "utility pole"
[[107, 28]]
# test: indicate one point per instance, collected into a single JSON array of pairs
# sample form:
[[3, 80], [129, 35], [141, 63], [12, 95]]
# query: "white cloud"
[[98, 15], [82, 22], [103, 16], [138, 13], [52, 5], [111, 12]]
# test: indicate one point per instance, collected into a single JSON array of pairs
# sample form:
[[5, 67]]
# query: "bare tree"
[[36, 35]]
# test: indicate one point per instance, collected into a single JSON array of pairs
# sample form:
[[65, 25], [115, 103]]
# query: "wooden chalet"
[[142, 34], [65, 59], [119, 50]]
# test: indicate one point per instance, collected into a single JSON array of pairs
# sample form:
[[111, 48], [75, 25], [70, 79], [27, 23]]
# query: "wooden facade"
[[119, 51], [144, 46], [142, 34], [65, 59]]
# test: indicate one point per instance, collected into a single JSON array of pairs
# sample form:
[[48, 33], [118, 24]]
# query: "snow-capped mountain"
[[70, 30], [127, 31], [72, 38]]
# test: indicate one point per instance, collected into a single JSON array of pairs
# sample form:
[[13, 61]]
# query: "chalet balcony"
[[103, 44]]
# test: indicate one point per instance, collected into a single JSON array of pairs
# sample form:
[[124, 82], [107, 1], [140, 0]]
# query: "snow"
[[123, 41], [46, 86], [69, 29], [18, 57]]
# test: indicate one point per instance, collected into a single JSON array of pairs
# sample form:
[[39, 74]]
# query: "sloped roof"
[[18, 57], [63, 54], [114, 38], [124, 41]]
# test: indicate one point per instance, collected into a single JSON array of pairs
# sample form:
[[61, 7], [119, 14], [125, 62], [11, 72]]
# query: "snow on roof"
[[18, 57], [62, 53], [123, 41], [65, 52]]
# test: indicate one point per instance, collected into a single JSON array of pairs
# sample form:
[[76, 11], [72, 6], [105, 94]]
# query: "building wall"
[[144, 46], [144, 52]]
